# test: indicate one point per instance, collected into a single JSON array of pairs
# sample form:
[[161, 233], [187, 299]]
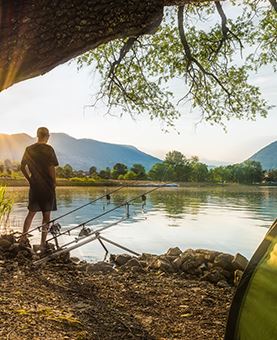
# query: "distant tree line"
[[271, 176], [176, 167], [7, 166], [247, 172], [118, 171], [10, 169]]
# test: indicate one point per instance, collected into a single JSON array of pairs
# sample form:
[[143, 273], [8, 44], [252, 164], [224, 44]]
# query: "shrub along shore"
[[180, 295]]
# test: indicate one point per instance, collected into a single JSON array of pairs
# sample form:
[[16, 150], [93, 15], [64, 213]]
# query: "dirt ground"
[[59, 301]]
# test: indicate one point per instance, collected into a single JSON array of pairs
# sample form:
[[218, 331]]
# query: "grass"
[[5, 207]]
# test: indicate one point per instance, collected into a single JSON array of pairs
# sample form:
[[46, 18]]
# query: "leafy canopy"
[[208, 55]]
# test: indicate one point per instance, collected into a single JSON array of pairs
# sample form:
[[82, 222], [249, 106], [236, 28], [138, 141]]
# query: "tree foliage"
[[130, 175], [176, 167], [105, 173], [139, 171], [210, 55], [271, 176], [68, 171], [119, 169], [92, 171], [248, 172]]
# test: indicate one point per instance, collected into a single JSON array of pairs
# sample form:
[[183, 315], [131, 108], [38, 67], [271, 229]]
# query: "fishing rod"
[[87, 239], [107, 195], [92, 235], [126, 203]]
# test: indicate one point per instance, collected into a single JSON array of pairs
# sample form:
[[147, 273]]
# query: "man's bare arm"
[[52, 172], [25, 172]]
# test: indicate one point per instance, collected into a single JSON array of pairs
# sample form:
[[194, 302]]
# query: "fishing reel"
[[55, 229], [85, 231]]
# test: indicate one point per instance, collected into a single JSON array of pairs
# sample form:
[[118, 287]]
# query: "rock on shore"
[[216, 267], [149, 297]]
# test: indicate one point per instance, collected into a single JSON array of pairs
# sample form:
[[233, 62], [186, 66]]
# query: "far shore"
[[9, 182]]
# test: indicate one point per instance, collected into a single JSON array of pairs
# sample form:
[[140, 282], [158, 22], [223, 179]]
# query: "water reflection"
[[215, 218], [178, 202]]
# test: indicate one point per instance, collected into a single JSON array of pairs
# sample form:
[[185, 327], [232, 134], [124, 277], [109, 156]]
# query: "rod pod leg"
[[118, 245], [103, 245]]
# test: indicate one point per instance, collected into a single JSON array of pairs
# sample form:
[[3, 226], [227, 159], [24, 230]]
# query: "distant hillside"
[[13, 146], [80, 153], [267, 156]]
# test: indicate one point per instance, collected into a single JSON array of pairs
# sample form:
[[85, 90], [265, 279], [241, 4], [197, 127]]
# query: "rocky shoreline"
[[177, 295], [221, 269], [215, 267]]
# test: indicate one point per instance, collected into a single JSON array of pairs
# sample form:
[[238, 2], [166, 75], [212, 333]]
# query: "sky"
[[58, 99]]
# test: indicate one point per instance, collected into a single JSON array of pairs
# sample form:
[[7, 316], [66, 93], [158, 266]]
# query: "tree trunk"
[[37, 35]]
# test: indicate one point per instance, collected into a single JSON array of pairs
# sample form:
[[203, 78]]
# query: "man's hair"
[[42, 132]]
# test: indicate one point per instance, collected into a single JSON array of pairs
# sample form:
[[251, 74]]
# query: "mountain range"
[[84, 153], [79, 153], [267, 156]]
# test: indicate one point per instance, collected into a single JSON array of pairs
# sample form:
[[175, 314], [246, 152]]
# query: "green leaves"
[[176, 167], [213, 64], [248, 172], [265, 37]]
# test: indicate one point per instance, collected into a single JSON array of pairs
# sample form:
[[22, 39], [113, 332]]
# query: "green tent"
[[253, 313]]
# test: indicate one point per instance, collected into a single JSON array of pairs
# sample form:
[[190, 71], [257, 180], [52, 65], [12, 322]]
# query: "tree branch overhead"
[[37, 35], [136, 66]]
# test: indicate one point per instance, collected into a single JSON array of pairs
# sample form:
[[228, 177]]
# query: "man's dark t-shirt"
[[39, 157]]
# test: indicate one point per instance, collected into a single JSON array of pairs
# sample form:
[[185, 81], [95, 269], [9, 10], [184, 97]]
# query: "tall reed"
[[6, 204]]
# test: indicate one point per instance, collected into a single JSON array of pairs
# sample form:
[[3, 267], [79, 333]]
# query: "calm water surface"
[[231, 220]]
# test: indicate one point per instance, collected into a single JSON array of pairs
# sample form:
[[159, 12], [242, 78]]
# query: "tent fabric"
[[253, 313]]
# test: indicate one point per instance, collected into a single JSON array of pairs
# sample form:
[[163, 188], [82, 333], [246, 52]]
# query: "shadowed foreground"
[[61, 301]]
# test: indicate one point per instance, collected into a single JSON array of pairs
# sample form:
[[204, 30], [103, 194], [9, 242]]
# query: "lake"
[[230, 219]]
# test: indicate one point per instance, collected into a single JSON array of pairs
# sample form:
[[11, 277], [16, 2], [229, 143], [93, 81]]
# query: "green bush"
[[82, 179], [130, 175]]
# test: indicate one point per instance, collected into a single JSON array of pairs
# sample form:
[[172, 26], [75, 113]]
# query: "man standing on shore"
[[38, 167]]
